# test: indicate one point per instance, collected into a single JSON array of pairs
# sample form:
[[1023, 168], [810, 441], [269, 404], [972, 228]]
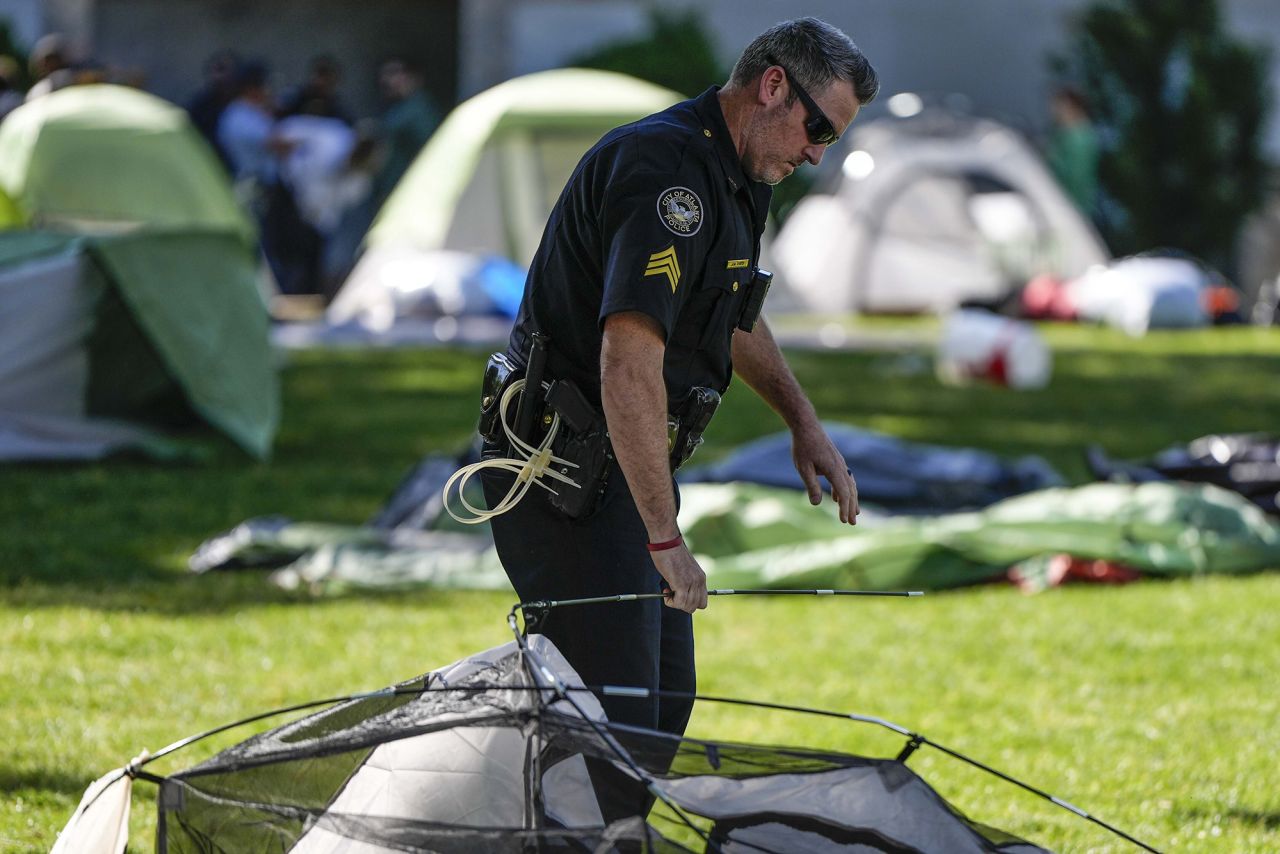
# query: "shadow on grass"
[[1262, 819], [213, 593], [1256, 818], [44, 780]]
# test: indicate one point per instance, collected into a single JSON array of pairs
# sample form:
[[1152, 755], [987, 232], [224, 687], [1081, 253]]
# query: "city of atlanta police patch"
[[681, 211]]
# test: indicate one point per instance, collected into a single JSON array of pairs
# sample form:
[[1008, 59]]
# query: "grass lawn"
[[1152, 706]]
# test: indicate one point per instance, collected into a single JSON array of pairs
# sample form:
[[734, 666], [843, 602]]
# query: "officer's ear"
[[772, 86]]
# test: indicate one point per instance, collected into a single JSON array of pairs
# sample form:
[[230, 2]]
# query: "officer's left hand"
[[815, 454]]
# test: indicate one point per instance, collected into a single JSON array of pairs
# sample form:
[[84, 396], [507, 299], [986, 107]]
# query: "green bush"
[[677, 53], [1180, 106]]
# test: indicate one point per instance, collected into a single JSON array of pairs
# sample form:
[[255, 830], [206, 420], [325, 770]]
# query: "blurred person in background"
[[11, 94], [406, 125], [247, 130], [206, 105], [1072, 152], [384, 150], [50, 65], [318, 95], [324, 169]]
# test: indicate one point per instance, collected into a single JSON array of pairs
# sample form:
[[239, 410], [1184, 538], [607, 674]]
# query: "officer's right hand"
[[686, 582]]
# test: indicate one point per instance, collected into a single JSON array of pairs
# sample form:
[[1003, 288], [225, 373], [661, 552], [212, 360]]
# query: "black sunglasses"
[[817, 126]]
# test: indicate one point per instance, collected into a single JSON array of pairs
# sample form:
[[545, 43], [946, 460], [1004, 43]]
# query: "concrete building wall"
[[991, 53], [25, 19], [165, 42]]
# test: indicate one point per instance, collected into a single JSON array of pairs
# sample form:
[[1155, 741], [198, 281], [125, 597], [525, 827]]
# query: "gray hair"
[[814, 53]]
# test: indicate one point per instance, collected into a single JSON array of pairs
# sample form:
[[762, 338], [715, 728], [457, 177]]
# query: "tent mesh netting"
[[504, 751]]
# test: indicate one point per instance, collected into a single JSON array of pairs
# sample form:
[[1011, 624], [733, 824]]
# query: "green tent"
[[10, 215], [111, 157], [501, 158], [129, 294], [485, 183]]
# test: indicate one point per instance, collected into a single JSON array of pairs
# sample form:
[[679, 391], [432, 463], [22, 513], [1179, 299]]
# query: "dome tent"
[[930, 211], [488, 177], [128, 281], [486, 181]]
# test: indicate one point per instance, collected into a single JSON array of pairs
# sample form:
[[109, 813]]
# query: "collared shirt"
[[659, 218]]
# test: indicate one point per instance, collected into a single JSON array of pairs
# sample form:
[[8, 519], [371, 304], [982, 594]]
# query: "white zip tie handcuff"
[[530, 465]]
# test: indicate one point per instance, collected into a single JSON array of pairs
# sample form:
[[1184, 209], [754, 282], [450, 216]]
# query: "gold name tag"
[[738, 265]]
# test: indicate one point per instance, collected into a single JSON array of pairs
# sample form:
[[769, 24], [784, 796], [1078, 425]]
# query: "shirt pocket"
[[726, 278]]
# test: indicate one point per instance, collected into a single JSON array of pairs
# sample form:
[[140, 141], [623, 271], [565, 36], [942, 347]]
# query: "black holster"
[[687, 424]]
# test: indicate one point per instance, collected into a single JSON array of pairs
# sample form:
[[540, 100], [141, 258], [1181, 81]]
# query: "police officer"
[[639, 286]]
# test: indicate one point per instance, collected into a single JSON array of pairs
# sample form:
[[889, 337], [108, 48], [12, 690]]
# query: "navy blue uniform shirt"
[[659, 218]]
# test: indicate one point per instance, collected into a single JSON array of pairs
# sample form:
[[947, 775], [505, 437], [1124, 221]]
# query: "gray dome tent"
[[508, 751], [928, 212]]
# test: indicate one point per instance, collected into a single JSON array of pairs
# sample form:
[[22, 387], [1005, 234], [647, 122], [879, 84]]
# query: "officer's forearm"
[[761, 365], [634, 397]]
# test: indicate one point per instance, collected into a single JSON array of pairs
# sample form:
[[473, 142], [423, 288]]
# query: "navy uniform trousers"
[[547, 555], [550, 556]]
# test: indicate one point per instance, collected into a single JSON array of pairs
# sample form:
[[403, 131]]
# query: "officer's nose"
[[813, 153]]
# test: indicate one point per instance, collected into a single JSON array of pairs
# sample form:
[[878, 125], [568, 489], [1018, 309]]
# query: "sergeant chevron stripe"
[[664, 263]]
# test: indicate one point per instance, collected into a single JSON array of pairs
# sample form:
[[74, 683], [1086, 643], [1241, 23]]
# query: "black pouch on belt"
[[499, 373], [582, 440], [528, 418]]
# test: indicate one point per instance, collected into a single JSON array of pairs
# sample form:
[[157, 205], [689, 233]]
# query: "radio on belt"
[[753, 302]]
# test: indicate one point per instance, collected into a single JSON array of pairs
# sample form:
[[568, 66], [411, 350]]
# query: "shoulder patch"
[[681, 211]]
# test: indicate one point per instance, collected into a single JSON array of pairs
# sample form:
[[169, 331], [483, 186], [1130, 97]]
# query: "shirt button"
[[735, 287], [706, 132]]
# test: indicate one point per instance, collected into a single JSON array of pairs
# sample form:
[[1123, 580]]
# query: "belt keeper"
[[665, 545]]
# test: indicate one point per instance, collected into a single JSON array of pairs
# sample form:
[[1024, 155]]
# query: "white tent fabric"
[[1143, 292], [471, 775], [46, 314], [100, 824], [928, 212]]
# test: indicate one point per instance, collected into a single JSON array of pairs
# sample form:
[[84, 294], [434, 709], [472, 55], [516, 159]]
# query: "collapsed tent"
[[929, 212], [750, 536], [508, 751], [485, 183], [1247, 463], [128, 287], [746, 535], [892, 473]]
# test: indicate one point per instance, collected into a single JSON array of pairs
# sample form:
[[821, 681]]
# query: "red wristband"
[[663, 546]]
